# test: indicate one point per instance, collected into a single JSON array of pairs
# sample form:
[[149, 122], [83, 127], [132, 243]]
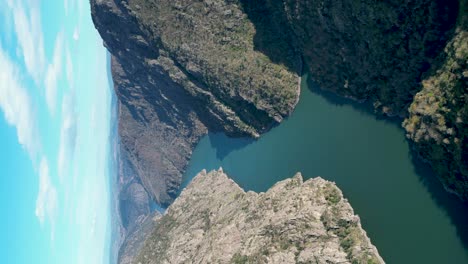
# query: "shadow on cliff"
[[273, 37], [364, 108], [225, 145], [452, 205]]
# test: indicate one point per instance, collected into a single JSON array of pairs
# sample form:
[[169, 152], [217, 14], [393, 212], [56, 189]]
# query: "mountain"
[[215, 221], [174, 87], [182, 68]]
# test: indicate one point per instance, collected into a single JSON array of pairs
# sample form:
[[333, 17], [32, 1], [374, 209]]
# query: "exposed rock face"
[[215, 221], [135, 240], [180, 68], [134, 202], [158, 132]]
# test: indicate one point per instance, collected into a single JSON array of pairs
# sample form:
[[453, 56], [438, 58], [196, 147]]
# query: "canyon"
[[182, 69]]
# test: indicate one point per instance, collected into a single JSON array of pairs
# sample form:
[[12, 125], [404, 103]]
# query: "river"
[[403, 208]]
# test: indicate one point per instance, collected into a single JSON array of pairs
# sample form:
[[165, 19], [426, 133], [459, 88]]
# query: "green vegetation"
[[439, 114], [332, 194], [367, 50], [220, 59], [348, 232], [393, 58], [347, 243], [239, 259]]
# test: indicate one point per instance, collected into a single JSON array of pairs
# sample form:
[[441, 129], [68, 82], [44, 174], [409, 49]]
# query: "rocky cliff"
[[136, 237], [438, 116], [366, 50], [179, 69], [215, 221], [182, 68], [407, 58]]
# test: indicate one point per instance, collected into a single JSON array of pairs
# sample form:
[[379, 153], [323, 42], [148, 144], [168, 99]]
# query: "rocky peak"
[[216, 221]]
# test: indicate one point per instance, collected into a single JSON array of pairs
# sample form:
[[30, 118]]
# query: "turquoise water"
[[405, 211]]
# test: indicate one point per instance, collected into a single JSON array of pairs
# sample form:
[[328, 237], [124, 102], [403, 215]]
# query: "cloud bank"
[[17, 106], [68, 134], [54, 70], [28, 30]]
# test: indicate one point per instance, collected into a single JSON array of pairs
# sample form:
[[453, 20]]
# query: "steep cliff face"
[[408, 58], [181, 68], [215, 221], [390, 51], [371, 50], [438, 117]]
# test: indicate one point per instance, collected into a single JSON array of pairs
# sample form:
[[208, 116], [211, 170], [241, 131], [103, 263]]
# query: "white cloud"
[[68, 134], [17, 106], [76, 34], [69, 66], [53, 73], [30, 37], [47, 202]]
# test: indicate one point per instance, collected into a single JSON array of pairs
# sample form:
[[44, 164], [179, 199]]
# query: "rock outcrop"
[[181, 68], [215, 221]]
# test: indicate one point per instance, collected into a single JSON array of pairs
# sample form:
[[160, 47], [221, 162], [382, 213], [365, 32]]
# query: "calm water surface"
[[405, 211]]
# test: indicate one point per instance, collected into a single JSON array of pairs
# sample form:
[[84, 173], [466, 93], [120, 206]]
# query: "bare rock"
[[215, 221]]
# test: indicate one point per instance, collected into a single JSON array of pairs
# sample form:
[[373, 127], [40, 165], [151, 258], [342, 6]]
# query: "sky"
[[55, 111]]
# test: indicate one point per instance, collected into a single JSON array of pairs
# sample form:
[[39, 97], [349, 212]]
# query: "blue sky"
[[55, 110]]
